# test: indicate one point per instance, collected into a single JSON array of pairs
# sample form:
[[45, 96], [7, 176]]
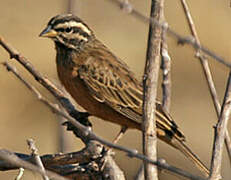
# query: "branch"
[[150, 84], [181, 39], [215, 172], [166, 67], [207, 73], [83, 134], [63, 99], [20, 174], [91, 152], [83, 164], [35, 155], [13, 159], [71, 5], [111, 170]]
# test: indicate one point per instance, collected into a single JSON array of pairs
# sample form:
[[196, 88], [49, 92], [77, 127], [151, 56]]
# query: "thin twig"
[[207, 73], [114, 173], [13, 159], [84, 130], [20, 174], [34, 153], [150, 84], [89, 135], [56, 92], [215, 172], [178, 37], [62, 98], [140, 173], [71, 6], [166, 67]]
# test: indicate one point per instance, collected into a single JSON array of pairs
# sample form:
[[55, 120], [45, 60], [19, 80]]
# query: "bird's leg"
[[120, 134], [117, 138]]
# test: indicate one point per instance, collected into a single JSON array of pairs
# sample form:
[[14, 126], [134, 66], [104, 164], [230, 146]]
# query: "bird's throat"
[[64, 56]]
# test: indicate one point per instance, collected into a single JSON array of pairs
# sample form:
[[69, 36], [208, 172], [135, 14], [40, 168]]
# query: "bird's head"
[[68, 30]]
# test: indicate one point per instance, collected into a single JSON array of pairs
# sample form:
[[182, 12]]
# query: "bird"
[[103, 84]]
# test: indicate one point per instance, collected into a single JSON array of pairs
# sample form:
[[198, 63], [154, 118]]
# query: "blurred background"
[[23, 116]]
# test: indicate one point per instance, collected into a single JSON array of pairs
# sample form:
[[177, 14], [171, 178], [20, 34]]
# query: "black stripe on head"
[[72, 32], [81, 32], [63, 18], [75, 30], [73, 43], [67, 18]]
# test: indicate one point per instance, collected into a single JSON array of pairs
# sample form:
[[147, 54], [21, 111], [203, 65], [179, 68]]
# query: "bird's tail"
[[182, 147], [168, 131]]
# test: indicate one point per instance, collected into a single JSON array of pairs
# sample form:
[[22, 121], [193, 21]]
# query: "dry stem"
[[221, 127], [207, 73], [182, 39]]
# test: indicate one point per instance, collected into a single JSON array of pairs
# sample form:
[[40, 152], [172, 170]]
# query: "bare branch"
[[140, 173], [83, 134], [207, 73], [71, 6], [13, 159], [34, 153], [166, 67], [92, 151], [20, 174], [84, 164], [111, 170], [150, 84], [185, 40], [56, 92], [215, 172]]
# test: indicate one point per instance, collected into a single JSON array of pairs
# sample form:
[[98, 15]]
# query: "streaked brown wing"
[[115, 85]]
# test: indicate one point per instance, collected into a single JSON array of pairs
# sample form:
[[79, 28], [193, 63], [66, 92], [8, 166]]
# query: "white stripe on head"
[[74, 24]]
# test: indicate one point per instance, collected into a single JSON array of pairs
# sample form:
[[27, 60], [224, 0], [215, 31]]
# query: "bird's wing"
[[114, 84]]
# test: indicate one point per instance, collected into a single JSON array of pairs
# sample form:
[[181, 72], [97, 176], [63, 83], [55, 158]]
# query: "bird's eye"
[[60, 30], [68, 30]]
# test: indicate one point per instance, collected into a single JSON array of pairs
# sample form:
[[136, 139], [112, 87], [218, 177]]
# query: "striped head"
[[68, 30]]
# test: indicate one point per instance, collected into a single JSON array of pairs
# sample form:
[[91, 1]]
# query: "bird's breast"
[[73, 84]]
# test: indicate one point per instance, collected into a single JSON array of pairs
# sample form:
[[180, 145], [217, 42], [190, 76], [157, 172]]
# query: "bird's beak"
[[48, 32]]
